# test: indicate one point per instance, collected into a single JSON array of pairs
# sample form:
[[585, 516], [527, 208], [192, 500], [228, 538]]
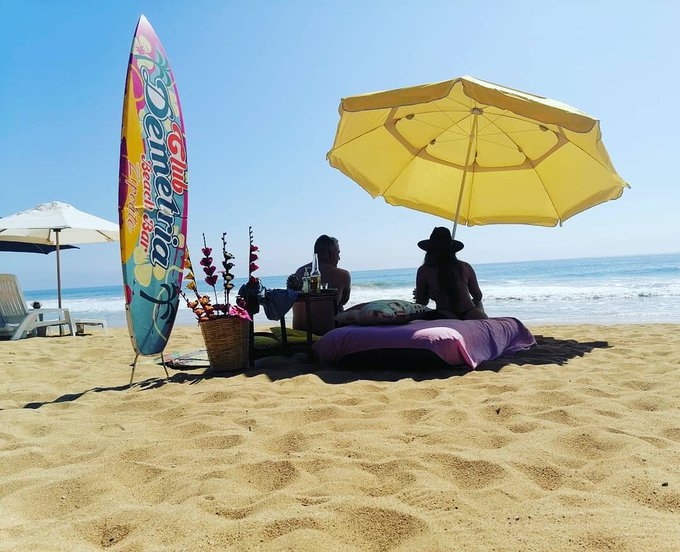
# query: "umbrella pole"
[[56, 236], [475, 112], [56, 232]]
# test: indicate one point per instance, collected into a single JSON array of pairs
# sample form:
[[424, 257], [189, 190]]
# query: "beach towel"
[[454, 341]]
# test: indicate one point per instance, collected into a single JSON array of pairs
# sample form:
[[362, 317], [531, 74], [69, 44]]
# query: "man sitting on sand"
[[327, 249]]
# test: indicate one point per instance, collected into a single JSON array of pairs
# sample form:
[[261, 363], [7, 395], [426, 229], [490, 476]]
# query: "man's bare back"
[[323, 312]]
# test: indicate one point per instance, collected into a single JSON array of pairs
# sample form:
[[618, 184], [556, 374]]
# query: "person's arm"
[[346, 289], [473, 286], [422, 293]]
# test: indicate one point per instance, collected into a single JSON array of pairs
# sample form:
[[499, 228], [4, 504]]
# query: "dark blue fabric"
[[31, 247], [277, 302]]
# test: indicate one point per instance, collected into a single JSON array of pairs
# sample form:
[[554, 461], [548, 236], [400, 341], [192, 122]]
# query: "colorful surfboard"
[[152, 193]]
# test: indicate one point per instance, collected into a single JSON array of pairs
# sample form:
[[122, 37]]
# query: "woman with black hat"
[[451, 283]]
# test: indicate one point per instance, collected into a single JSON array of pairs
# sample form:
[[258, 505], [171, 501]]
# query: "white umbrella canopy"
[[57, 224]]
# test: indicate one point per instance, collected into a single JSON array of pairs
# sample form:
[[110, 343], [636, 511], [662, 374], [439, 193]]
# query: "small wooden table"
[[308, 299], [286, 347]]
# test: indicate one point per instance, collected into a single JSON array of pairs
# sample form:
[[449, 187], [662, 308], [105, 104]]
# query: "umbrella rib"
[[415, 156], [463, 132], [470, 184], [538, 123], [534, 164], [533, 167]]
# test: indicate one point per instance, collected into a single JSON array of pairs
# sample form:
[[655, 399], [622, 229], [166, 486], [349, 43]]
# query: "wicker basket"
[[226, 340]]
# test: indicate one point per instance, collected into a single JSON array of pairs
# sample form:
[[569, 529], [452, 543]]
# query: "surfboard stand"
[[134, 365], [165, 366]]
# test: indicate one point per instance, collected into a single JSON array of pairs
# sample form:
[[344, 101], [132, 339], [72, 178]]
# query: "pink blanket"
[[454, 341]]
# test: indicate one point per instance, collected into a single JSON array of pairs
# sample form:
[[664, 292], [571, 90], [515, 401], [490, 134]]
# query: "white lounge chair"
[[17, 320]]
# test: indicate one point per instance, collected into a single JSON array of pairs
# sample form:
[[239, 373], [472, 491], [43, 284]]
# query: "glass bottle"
[[305, 281], [315, 276]]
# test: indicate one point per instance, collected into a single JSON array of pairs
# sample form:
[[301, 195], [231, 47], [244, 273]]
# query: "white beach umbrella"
[[56, 224]]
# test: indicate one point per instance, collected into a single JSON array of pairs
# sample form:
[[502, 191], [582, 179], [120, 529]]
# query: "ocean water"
[[613, 290]]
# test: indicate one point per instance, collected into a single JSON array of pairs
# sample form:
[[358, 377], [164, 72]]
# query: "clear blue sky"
[[260, 84]]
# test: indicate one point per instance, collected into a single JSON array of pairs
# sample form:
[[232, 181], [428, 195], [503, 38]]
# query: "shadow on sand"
[[382, 365]]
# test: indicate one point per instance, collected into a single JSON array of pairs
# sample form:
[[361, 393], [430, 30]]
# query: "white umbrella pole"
[[475, 112], [58, 270]]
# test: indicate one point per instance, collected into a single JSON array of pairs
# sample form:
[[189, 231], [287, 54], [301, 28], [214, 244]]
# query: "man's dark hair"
[[323, 244]]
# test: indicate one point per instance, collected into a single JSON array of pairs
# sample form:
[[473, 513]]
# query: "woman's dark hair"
[[448, 270]]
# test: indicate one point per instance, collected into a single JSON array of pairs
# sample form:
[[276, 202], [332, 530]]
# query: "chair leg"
[[69, 322], [22, 329]]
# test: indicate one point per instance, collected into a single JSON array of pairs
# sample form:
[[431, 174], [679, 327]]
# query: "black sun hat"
[[440, 240]]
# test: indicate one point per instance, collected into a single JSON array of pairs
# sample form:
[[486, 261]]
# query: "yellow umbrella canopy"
[[475, 153]]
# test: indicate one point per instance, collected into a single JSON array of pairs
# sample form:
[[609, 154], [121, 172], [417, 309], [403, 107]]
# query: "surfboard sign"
[[152, 193]]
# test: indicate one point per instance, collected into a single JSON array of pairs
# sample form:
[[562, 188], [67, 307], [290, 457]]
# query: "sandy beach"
[[572, 445]]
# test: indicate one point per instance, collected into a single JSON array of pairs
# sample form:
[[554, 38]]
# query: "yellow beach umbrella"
[[475, 153]]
